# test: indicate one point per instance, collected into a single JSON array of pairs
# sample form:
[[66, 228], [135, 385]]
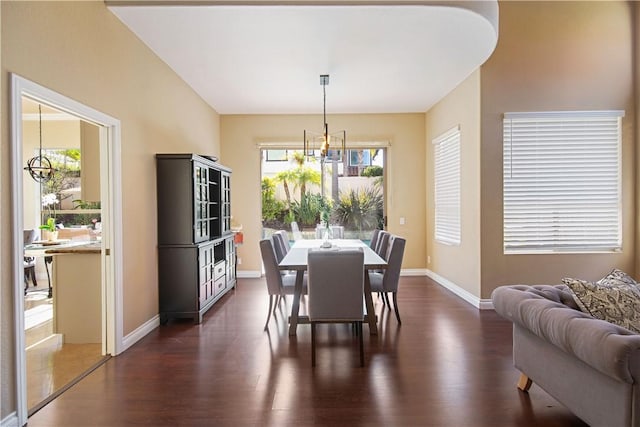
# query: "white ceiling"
[[267, 59]]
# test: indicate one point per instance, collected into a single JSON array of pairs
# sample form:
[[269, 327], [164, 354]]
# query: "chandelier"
[[39, 167], [325, 146]]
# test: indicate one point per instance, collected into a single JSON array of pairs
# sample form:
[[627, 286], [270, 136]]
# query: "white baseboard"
[[10, 420], [486, 304], [248, 274], [481, 304], [140, 332], [413, 272]]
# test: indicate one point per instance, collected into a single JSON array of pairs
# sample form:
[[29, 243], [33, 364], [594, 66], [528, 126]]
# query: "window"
[[561, 173], [447, 187], [277, 155], [359, 158]]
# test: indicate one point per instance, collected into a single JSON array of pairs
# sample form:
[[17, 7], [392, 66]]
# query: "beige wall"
[[405, 172], [555, 56], [81, 50], [459, 264], [636, 78]]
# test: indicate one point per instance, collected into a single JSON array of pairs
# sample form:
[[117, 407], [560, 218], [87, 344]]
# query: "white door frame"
[[111, 185]]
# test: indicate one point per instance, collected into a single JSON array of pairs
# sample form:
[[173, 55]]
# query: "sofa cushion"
[[616, 277], [615, 301]]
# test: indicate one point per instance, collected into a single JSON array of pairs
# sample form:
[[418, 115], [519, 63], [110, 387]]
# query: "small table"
[[296, 259]]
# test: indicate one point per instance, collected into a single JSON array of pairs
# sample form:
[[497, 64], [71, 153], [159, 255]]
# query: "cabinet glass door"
[[201, 201], [226, 203], [215, 204]]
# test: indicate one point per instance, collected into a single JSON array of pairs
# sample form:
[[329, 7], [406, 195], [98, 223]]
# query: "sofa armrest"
[[611, 349]]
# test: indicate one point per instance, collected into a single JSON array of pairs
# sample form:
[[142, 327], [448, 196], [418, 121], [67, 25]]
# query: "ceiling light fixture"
[[325, 146], [39, 167]]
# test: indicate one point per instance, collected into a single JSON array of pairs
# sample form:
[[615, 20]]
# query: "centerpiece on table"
[[325, 215], [49, 230]]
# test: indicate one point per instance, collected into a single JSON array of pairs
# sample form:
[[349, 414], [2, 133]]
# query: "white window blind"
[[447, 187], [562, 181]]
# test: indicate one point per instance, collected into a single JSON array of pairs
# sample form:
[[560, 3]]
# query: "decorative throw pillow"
[[617, 303], [616, 277]]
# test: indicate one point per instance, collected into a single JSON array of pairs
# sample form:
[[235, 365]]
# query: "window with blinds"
[[562, 181], [447, 187]]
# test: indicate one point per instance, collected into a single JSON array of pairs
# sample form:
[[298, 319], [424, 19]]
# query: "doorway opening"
[[299, 195], [63, 331], [75, 301]]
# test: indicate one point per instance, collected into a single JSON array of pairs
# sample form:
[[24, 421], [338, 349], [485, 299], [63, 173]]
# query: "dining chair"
[[382, 243], [320, 231], [374, 239], [297, 235], [387, 281], [280, 241], [278, 285], [337, 231], [284, 240], [278, 246], [336, 286]]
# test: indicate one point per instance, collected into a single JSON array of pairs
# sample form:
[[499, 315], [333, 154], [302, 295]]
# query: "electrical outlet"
[[239, 260], [402, 220]]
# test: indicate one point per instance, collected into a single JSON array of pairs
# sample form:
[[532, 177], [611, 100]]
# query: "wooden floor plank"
[[447, 365]]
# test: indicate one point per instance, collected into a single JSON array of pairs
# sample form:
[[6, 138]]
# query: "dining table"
[[296, 260]]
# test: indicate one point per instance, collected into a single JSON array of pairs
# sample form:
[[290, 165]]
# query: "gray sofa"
[[590, 366]]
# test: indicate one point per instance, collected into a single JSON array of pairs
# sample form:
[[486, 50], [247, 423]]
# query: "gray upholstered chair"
[[279, 246], [374, 239], [278, 285], [280, 242], [297, 235], [337, 231], [336, 291], [284, 240], [320, 231], [382, 244], [387, 281]]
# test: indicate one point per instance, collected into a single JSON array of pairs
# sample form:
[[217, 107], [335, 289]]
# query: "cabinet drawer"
[[218, 270], [219, 285]]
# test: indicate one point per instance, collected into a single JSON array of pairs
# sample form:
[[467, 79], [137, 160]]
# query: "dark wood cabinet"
[[196, 251]]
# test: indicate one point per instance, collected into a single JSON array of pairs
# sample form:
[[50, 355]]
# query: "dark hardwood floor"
[[447, 365]]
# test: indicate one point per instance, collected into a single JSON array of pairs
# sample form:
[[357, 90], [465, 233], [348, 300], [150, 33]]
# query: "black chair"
[[29, 236]]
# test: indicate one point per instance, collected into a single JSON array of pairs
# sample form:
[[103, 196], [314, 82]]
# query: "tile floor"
[[51, 365]]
